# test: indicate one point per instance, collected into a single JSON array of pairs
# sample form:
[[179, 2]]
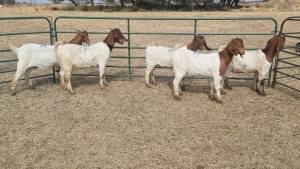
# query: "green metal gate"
[[286, 68], [134, 53], [128, 60], [18, 31]]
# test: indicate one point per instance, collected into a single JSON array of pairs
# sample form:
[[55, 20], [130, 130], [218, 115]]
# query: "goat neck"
[[193, 46], [110, 40], [198, 43], [77, 40], [81, 36], [225, 58], [275, 44]]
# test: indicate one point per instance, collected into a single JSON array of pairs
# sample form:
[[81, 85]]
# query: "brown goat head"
[[236, 46], [114, 36], [81, 36], [85, 37], [278, 41], [198, 43]]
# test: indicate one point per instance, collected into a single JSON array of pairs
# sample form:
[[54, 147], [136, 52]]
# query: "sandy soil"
[[128, 125]]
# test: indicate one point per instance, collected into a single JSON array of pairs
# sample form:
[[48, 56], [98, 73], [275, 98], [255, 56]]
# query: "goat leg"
[[226, 84], [104, 80], [27, 78], [262, 90]]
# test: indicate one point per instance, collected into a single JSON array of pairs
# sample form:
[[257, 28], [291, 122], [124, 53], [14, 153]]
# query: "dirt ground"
[[127, 125]]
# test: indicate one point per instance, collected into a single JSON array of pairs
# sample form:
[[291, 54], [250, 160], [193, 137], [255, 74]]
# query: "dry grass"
[[128, 125]]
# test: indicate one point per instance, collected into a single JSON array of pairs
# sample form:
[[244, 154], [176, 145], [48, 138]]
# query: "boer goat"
[[38, 56], [70, 55], [160, 55], [212, 65], [258, 61]]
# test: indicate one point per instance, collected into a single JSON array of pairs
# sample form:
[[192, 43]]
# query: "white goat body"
[[35, 55], [32, 56], [159, 55], [211, 65], [70, 55], [258, 61], [192, 63], [252, 62], [83, 56]]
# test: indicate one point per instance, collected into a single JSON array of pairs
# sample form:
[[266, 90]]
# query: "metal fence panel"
[[287, 64], [166, 32], [19, 31]]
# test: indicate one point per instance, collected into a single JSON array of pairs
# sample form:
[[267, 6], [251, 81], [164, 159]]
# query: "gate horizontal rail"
[[195, 28], [130, 48]]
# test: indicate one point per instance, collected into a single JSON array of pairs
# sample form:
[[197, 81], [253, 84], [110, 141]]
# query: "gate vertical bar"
[[52, 40], [129, 46], [271, 68], [195, 27]]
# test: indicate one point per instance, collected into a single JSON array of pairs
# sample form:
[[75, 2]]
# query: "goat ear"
[[280, 44], [111, 39]]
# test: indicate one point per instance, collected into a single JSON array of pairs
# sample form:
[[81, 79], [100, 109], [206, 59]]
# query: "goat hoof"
[[154, 83], [263, 94], [31, 87], [183, 87], [180, 93], [177, 97], [148, 85], [211, 97], [228, 87], [219, 101], [13, 93], [223, 92]]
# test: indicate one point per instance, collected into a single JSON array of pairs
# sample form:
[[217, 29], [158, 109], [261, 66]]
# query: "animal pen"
[[128, 60], [286, 68]]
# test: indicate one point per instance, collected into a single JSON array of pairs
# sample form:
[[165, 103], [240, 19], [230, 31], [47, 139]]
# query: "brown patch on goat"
[[274, 45], [114, 36], [81, 36], [198, 43], [234, 47]]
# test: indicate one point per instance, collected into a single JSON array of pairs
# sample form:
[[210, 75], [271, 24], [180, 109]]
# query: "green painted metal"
[[292, 55], [128, 47], [29, 18], [196, 23]]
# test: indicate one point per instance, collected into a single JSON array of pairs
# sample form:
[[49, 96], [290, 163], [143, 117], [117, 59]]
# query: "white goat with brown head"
[[161, 55], [258, 62], [212, 65], [70, 55], [38, 56]]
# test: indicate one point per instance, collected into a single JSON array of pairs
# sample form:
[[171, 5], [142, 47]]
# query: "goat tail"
[[13, 48], [58, 43]]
